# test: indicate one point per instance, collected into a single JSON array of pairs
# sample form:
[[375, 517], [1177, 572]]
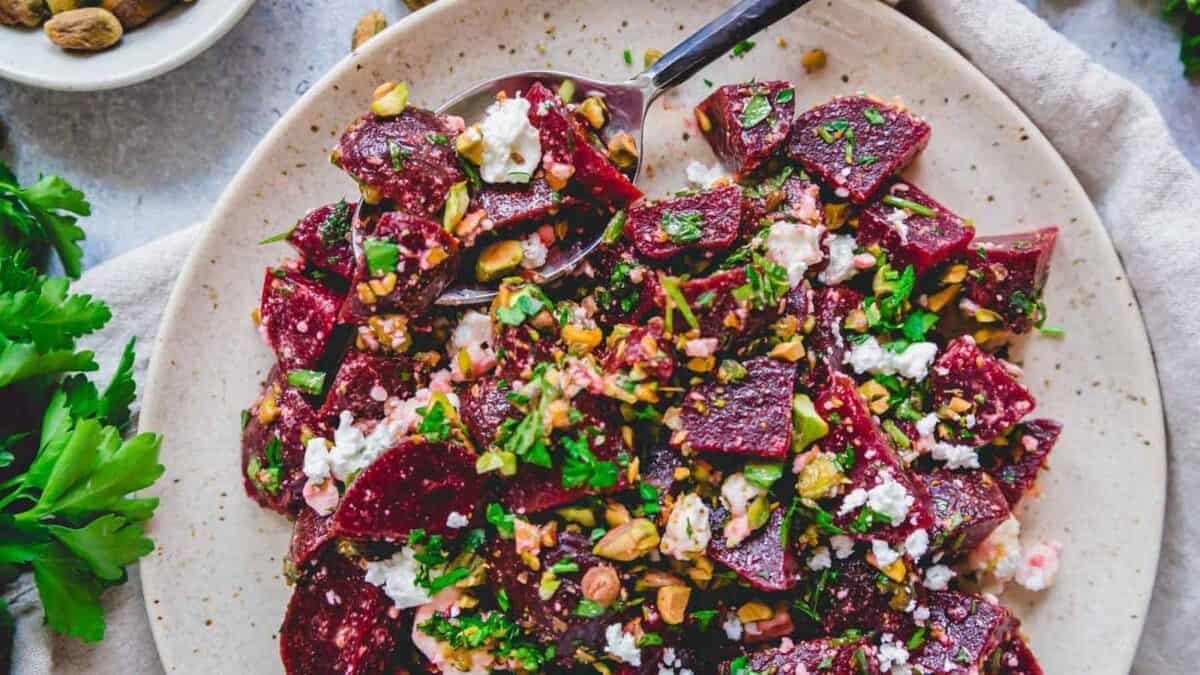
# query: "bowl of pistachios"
[[90, 45]]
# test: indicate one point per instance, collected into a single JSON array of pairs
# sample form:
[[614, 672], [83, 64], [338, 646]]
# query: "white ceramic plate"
[[165, 43], [214, 588]]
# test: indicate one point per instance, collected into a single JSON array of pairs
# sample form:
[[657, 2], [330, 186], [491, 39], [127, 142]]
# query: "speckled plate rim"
[[172, 59], [157, 410]]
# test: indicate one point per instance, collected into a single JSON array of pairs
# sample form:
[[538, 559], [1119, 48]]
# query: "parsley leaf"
[[757, 109], [580, 466], [683, 227]]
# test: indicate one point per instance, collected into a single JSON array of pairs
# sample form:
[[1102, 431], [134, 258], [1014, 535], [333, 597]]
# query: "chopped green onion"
[[874, 116], [901, 203]]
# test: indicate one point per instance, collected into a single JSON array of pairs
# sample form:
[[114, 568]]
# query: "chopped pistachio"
[[498, 259], [628, 542], [391, 101], [807, 425], [469, 143], [457, 202], [819, 477], [594, 111]]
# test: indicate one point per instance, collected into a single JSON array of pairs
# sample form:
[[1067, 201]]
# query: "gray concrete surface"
[[154, 157]]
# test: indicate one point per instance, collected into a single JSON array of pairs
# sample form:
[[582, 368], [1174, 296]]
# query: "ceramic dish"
[[165, 43], [214, 588]]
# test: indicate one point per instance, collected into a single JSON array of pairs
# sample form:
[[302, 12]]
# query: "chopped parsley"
[[398, 153], [683, 227], [580, 466], [873, 116], [785, 96], [741, 48], [336, 226], [757, 109], [307, 381], [908, 204], [493, 632], [383, 255]]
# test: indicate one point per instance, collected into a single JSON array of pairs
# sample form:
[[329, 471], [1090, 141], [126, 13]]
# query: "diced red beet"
[[403, 158], [836, 656], [857, 596], [536, 489], [626, 290], [659, 463], [365, 381], [827, 344], [719, 313], [966, 505], [1006, 274], [851, 425], [297, 316], [323, 237], [512, 205], [706, 221], [278, 425], [553, 621], [746, 122], [519, 348], [645, 350], [762, 559], [483, 406], [714, 415], [820, 137], [997, 400], [415, 485], [1013, 657], [910, 237], [962, 630], [549, 116], [595, 177], [426, 263], [1017, 465], [338, 624], [310, 533]]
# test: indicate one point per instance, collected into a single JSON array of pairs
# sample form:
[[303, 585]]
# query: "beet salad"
[[767, 427]]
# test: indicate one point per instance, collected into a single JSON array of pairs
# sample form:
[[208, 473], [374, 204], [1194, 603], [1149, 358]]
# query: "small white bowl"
[[164, 43]]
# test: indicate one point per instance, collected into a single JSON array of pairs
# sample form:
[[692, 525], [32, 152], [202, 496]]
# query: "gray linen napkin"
[[1109, 132]]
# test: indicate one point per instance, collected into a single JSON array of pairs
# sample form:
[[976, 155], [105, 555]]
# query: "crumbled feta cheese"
[[890, 498], [852, 501], [920, 614], [841, 260], [737, 493], [927, 425], [794, 247], [511, 146], [701, 175], [622, 646], [1000, 553], [897, 218], [474, 334], [732, 627], [913, 362], [916, 544], [533, 252], [937, 578], [843, 546], [456, 520], [688, 531], [398, 578], [891, 654], [1039, 566], [820, 560], [884, 555], [956, 456], [316, 459]]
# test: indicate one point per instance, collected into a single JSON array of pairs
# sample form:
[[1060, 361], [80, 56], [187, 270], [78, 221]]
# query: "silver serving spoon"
[[627, 103]]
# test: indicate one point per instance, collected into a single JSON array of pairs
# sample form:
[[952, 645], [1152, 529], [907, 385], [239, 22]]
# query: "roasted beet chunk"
[[415, 485], [595, 177], [405, 265], [365, 381], [338, 624], [720, 313], [744, 123], [277, 427], [762, 559], [626, 290], [1013, 657], [511, 205], [408, 158], [962, 631], [714, 415], [996, 401], [309, 535], [536, 489], [483, 406], [1017, 465], [297, 316], [554, 620], [876, 470], [855, 143], [967, 506], [796, 199], [830, 307], [323, 237], [701, 221], [549, 116], [1006, 274], [658, 467], [643, 353], [857, 596], [836, 656], [922, 233]]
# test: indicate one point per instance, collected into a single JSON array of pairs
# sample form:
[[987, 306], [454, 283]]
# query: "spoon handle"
[[712, 41]]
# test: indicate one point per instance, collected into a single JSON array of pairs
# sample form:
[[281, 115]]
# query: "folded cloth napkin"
[[1109, 132]]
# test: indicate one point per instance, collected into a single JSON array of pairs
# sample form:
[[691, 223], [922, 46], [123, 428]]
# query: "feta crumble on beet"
[[702, 175], [937, 577], [955, 456], [841, 260], [688, 531], [869, 356], [398, 578], [795, 247], [622, 645], [511, 147]]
